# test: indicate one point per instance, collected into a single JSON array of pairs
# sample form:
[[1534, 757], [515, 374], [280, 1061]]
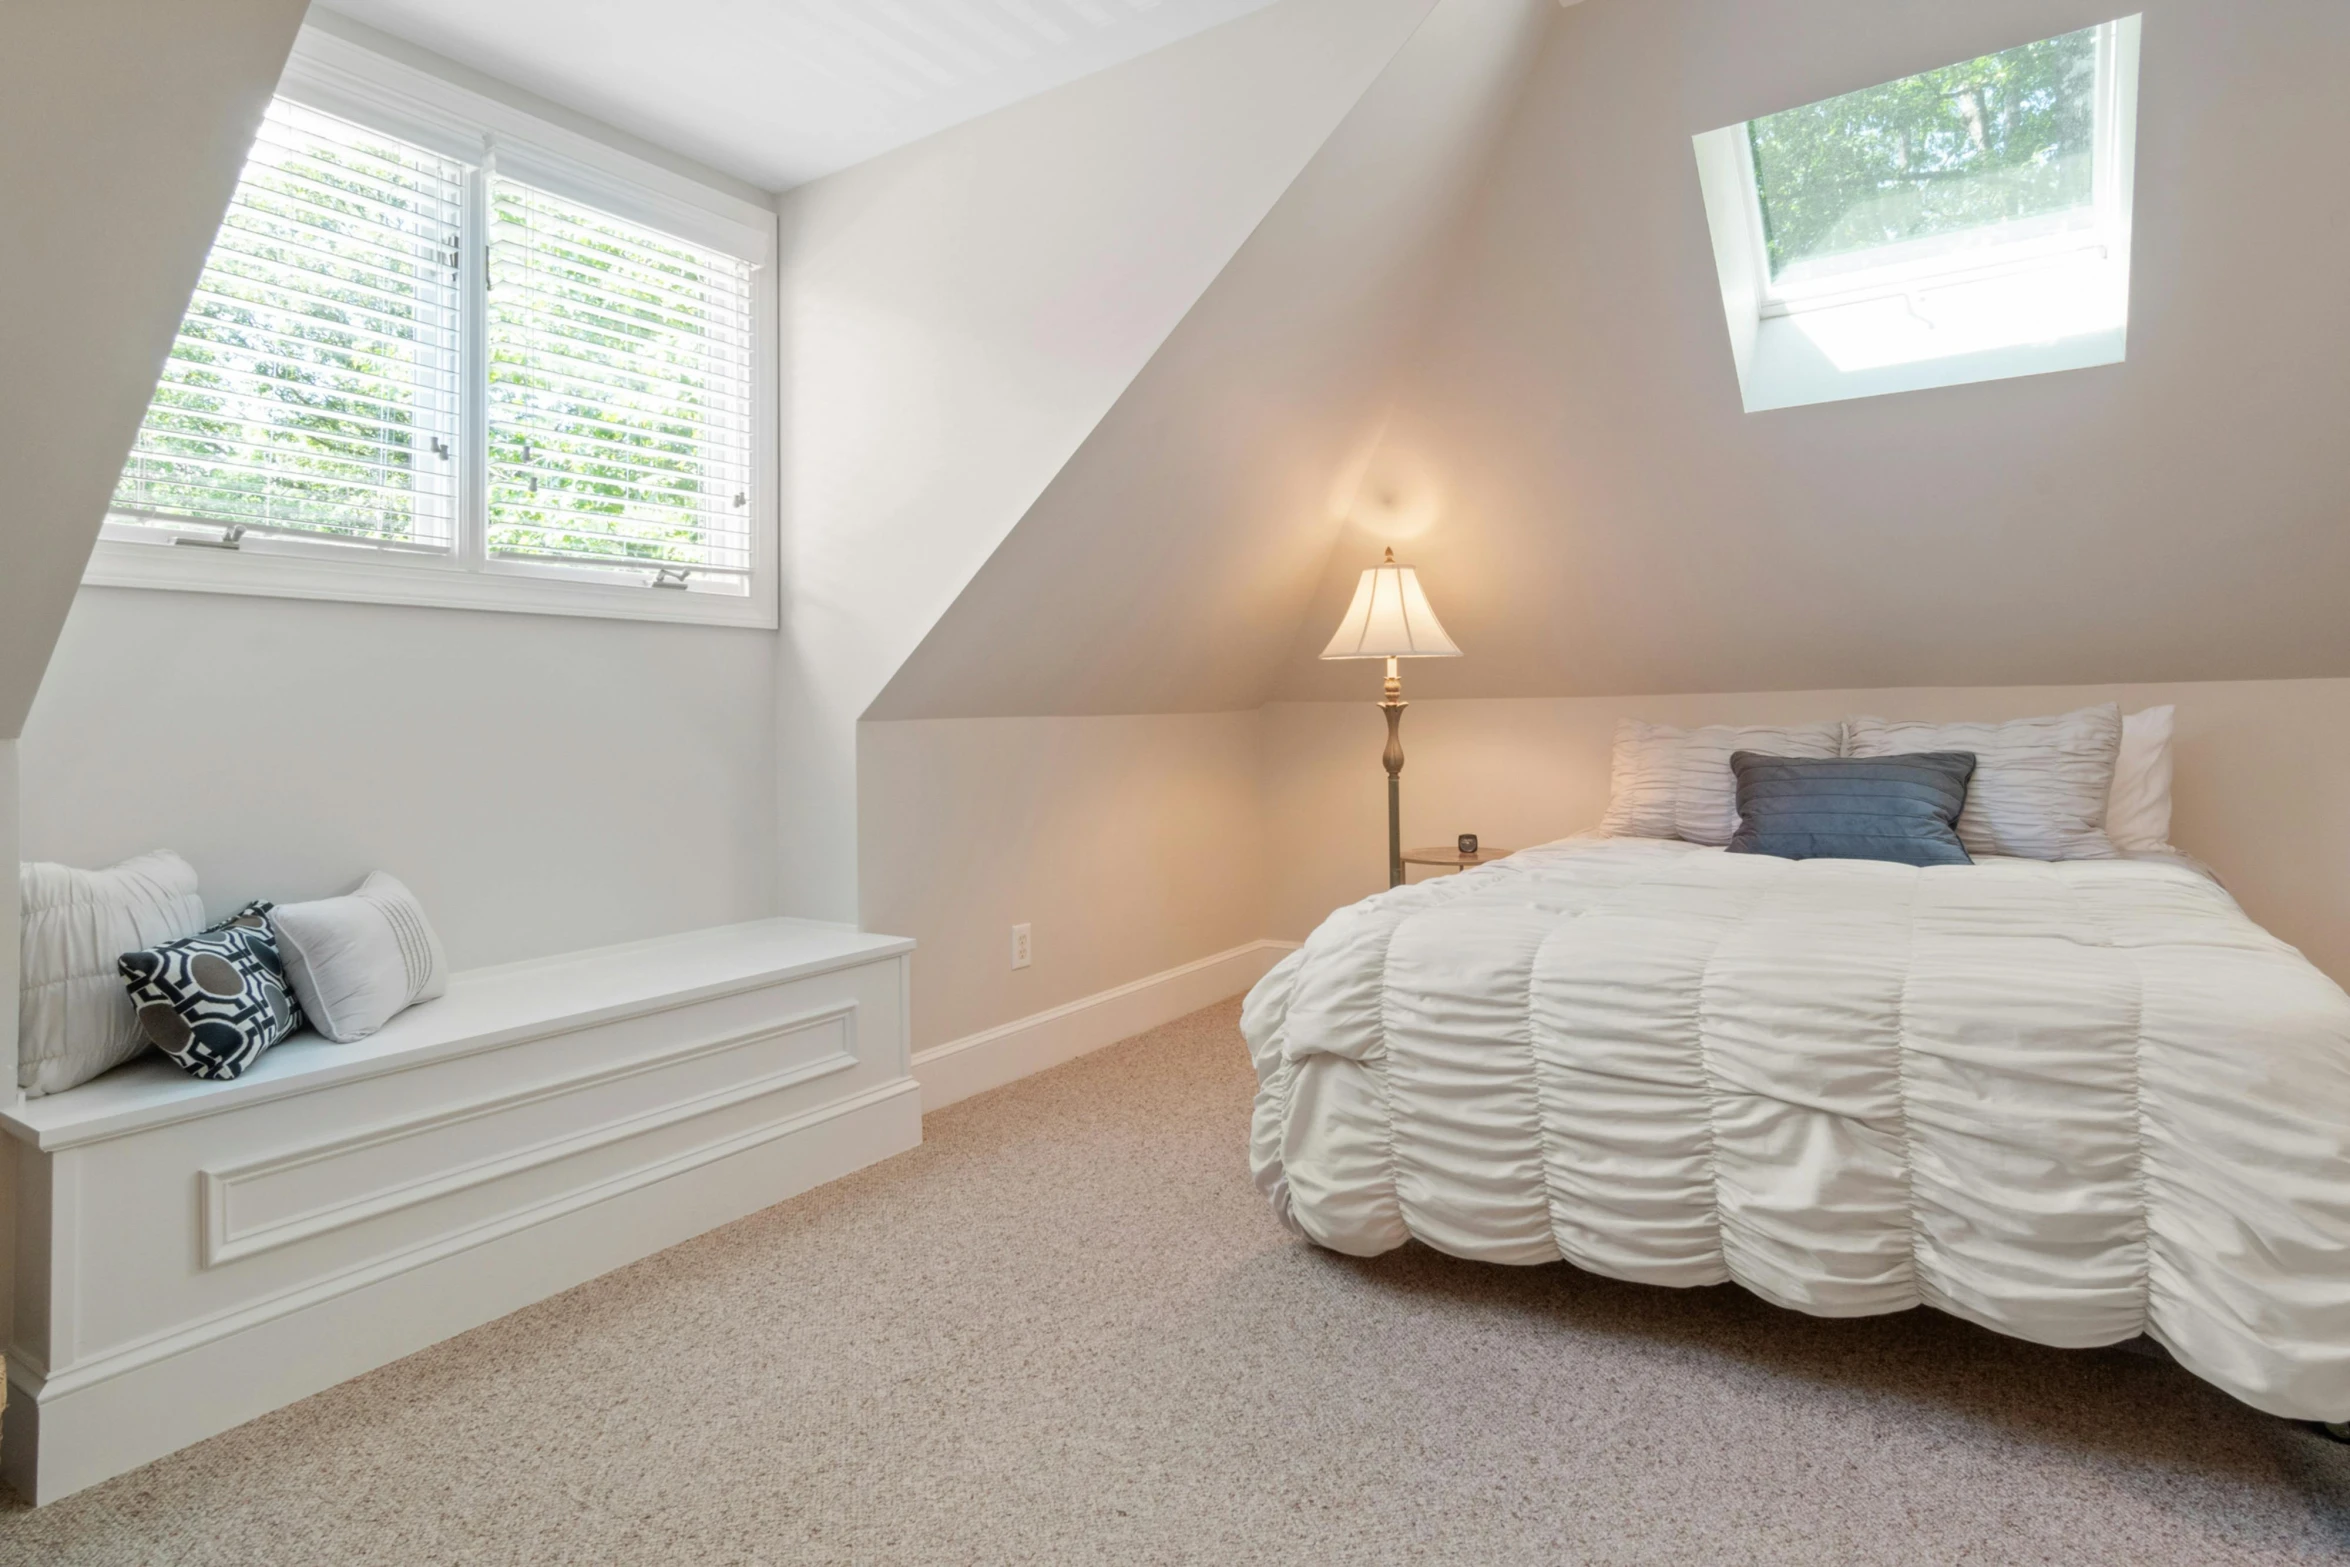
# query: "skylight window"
[[1965, 224]]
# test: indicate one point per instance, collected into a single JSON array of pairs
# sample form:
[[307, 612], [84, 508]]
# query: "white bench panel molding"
[[192, 1255], [1010, 1051], [274, 1202]]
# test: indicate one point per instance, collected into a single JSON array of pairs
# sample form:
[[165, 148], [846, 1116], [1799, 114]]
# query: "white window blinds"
[[620, 394], [313, 388]]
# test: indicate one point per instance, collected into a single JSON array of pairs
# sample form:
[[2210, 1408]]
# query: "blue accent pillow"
[[1898, 808]]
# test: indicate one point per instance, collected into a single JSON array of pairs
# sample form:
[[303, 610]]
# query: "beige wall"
[[959, 314], [544, 783], [1127, 845], [1134, 844], [2262, 790]]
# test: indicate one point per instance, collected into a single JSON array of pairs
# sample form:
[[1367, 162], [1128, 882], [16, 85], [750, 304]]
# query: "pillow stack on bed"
[[2083, 785]]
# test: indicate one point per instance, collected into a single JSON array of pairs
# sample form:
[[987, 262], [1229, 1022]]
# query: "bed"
[[2073, 1102]]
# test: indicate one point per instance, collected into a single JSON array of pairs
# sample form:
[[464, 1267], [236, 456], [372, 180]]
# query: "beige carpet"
[[1066, 1330]]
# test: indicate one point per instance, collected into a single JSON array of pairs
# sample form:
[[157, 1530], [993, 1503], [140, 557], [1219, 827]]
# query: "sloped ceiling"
[[1567, 460], [122, 126], [959, 315], [786, 91], [1593, 513], [1168, 563]]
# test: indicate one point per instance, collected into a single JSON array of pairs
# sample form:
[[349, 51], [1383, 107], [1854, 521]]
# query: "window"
[[1964, 224], [619, 393], [312, 391], [443, 354]]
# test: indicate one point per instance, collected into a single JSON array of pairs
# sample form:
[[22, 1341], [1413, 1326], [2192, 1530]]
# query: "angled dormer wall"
[[122, 126], [1071, 745]]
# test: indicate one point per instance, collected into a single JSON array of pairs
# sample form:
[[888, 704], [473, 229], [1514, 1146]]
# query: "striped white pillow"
[[2040, 786], [1676, 783]]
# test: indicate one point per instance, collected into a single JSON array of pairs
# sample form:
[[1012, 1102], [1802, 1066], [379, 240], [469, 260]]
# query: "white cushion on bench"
[[75, 1019]]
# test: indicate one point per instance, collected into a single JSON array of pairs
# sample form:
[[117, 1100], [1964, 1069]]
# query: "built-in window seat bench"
[[188, 1255]]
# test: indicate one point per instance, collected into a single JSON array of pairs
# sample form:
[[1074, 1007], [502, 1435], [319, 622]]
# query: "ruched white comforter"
[[2071, 1102]]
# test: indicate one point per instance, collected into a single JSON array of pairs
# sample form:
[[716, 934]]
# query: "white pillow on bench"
[[75, 1019], [356, 961]]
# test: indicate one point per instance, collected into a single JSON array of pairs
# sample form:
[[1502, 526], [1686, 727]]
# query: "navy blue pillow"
[[1899, 808]]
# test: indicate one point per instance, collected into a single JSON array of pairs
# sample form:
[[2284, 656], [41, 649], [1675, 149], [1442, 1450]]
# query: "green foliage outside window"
[[2009, 136], [617, 427], [293, 394]]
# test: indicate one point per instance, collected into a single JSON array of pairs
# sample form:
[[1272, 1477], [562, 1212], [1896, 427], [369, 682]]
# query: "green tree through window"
[[2009, 136]]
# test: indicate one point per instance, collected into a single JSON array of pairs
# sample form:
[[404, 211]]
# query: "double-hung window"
[[443, 353], [1965, 224]]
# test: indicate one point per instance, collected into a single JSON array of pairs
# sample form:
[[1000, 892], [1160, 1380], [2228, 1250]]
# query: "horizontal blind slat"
[[620, 391], [556, 310], [563, 415], [275, 403], [317, 365], [608, 455]]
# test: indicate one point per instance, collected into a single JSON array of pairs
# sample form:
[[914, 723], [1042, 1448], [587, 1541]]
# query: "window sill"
[[2068, 316], [264, 574]]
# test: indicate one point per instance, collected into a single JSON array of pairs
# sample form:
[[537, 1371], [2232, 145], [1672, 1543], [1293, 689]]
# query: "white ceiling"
[[779, 92]]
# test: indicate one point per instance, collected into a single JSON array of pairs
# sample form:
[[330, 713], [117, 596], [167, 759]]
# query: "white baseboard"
[[1006, 1053]]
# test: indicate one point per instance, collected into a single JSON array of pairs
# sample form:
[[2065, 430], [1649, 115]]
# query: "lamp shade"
[[1390, 618]]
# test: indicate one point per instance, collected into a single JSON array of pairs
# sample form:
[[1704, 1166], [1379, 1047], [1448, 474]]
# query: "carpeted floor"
[[1067, 1330]]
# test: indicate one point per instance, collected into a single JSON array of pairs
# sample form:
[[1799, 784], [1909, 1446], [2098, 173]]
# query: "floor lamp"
[[1390, 619]]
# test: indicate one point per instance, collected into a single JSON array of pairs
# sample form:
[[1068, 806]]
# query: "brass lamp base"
[[1393, 704]]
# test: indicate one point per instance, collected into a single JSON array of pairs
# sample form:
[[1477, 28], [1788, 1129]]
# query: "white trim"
[[382, 579], [1010, 1051]]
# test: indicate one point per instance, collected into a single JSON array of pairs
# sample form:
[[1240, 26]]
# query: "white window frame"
[[340, 77], [1765, 313]]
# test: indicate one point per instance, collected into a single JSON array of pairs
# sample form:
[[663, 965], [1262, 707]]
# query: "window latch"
[[440, 448], [230, 536], [668, 577]]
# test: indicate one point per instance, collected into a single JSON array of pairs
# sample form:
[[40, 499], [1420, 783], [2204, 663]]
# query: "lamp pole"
[[1393, 704]]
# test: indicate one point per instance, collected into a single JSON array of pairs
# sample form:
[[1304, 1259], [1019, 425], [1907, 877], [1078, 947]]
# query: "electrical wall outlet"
[[1019, 946]]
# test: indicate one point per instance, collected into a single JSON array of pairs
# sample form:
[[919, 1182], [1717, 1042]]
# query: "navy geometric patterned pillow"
[[214, 1002]]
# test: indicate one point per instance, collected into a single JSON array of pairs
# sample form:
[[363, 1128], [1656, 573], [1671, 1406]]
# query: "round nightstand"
[[1453, 859]]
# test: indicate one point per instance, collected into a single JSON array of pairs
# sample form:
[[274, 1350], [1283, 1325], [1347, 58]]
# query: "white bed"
[[2073, 1102]]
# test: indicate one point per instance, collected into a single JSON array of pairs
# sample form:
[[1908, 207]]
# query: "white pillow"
[[2040, 786], [1676, 783], [356, 961], [74, 1016], [2137, 813]]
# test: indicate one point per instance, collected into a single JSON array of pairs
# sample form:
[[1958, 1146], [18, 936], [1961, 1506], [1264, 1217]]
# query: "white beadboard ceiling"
[[780, 92]]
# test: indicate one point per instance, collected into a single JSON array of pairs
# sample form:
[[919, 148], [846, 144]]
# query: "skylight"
[[1965, 224]]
